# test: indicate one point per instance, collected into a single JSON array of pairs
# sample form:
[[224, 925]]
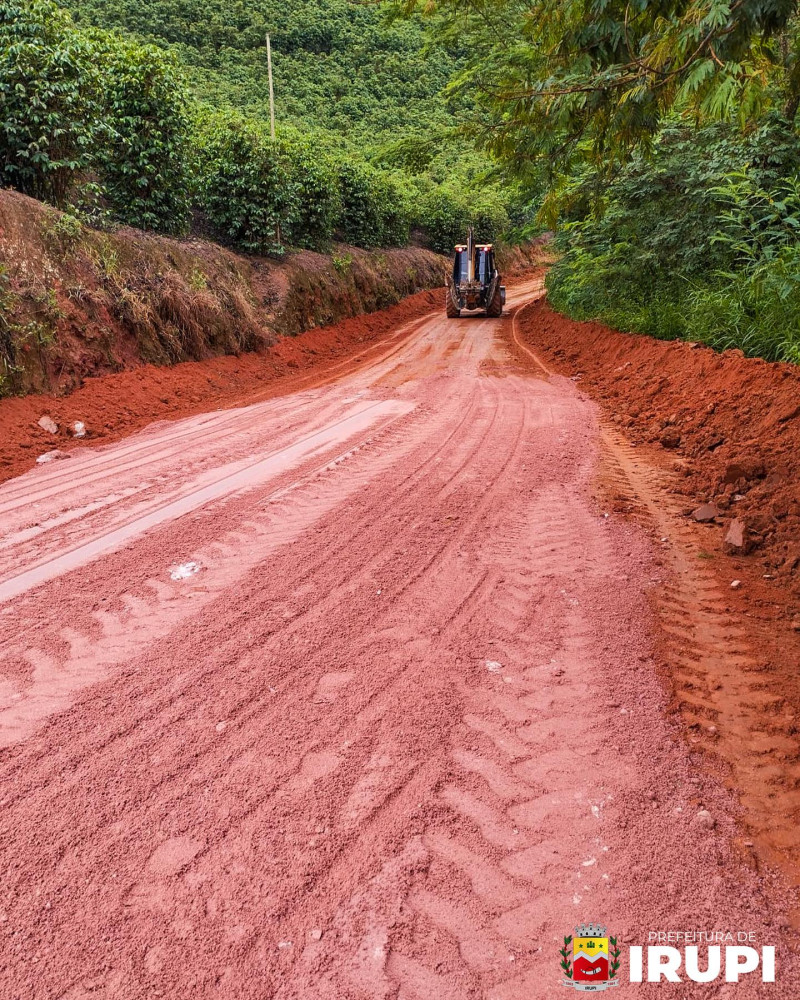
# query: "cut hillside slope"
[[112, 406], [76, 302]]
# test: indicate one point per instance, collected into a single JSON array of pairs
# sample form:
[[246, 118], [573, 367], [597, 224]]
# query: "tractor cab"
[[483, 266]]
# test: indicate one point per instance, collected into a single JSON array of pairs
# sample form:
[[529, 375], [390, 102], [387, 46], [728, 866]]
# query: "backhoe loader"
[[475, 280]]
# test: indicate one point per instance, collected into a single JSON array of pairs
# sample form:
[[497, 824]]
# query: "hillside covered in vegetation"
[[156, 115], [660, 143], [339, 67]]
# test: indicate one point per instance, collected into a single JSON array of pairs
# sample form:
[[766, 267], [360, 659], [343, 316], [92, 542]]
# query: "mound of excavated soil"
[[111, 406], [732, 424]]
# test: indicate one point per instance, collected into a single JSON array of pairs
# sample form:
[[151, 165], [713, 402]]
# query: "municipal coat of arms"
[[590, 960]]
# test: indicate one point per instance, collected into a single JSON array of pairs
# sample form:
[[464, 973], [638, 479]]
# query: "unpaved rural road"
[[346, 694]]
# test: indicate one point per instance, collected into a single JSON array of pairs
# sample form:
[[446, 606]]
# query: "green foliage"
[[697, 241], [342, 263], [63, 231], [105, 257], [197, 281], [575, 81], [360, 217], [366, 90], [107, 125], [312, 189], [375, 206], [51, 109], [395, 198], [242, 181], [757, 310], [447, 212], [91, 110], [662, 141], [145, 167], [755, 304], [338, 65], [260, 193]]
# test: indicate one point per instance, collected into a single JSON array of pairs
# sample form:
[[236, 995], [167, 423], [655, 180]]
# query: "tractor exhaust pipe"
[[470, 255]]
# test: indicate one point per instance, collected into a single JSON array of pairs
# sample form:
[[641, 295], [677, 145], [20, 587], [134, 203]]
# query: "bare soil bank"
[[114, 405], [77, 302]]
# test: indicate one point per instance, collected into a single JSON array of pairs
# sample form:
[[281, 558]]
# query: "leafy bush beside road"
[[90, 114], [696, 239], [51, 115], [145, 165]]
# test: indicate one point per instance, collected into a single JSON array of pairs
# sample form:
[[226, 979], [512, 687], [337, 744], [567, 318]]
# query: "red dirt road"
[[348, 693]]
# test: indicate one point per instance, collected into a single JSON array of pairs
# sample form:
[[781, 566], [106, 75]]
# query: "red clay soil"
[[77, 303], [732, 424], [687, 420], [325, 698], [113, 406]]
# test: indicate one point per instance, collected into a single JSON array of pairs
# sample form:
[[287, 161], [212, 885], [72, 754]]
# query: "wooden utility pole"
[[271, 91], [272, 120]]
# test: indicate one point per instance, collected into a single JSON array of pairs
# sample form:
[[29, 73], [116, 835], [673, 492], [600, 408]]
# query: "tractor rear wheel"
[[452, 310], [495, 307]]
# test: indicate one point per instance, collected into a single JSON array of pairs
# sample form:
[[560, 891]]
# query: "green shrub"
[[359, 219], [394, 210], [263, 194], [444, 219], [488, 215], [447, 213], [696, 240], [756, 310], [342, 263], [754, 305], [103, 124], [145, 169], [313, 195], [375, 207], [89, 113], [63, 232], [51, 100], [243, 181]]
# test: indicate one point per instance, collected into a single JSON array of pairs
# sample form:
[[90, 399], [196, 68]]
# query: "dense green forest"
[[661, 140]]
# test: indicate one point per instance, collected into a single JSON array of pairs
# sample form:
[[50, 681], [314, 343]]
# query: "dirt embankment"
[[76, 302], [513, 261], [731, 425], [115, 405]]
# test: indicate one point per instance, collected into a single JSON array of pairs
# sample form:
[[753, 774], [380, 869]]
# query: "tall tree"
[[596, 77]]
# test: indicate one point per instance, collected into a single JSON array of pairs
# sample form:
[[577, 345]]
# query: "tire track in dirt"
[[293, 515], [460, 463], [723, 688], [157, 593], [213, 431], [500, 806]]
